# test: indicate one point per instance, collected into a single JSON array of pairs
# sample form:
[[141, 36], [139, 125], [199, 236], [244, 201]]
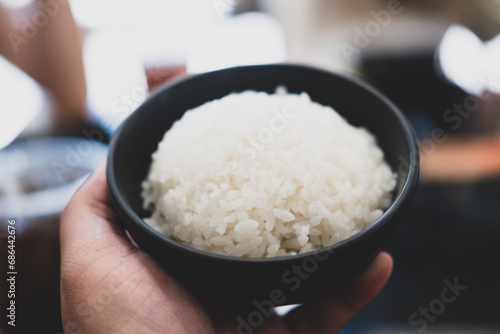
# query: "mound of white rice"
[[259, 175]]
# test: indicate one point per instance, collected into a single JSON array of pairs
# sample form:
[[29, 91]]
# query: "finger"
[[90, 240], [331, 314]]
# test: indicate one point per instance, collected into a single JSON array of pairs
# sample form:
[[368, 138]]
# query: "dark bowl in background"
[[283, 280]]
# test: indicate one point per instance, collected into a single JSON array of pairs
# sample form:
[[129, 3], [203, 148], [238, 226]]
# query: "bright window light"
[[136, 13], [247, 39]]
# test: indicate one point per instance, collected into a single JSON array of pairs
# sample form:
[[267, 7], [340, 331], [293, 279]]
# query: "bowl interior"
[[136, 140]]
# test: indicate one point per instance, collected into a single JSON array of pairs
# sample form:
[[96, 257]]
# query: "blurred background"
[[70, 72]]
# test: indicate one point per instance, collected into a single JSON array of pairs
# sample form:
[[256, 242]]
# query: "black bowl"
[[282, 280]]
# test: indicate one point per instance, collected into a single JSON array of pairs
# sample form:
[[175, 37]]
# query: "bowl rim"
[[405, 194]]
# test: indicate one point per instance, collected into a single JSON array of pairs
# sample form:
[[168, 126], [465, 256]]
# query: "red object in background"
[[461, 159], [158, 75]]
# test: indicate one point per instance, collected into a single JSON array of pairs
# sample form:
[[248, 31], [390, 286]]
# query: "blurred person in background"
[[43, 40]]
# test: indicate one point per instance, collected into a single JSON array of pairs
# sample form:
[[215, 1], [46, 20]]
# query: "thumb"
[[104, 277], [88, 223]]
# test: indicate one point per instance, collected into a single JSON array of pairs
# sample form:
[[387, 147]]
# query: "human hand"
[[110, 286]]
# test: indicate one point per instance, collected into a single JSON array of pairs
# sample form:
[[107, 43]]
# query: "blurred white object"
[[471, 64], [162, 47], [283, 310], [116, 80], [21, 100], [247, 39]]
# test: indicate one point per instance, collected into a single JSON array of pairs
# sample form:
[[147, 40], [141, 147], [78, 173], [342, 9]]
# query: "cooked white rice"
[[259, 175]]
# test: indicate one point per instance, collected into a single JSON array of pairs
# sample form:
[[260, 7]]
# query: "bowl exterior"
[[281, 280]]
